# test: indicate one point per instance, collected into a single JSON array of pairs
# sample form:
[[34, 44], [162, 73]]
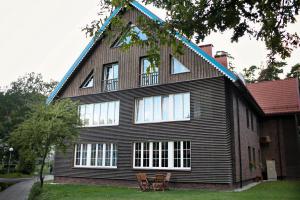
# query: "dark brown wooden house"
[[191, 115]]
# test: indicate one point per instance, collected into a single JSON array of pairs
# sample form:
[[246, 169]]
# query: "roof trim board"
[[153, 17]]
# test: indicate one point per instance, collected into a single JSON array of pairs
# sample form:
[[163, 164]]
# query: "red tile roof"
[[277, 97]]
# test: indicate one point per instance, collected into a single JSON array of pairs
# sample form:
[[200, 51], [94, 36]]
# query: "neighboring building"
[[191, 115], [280, 136]]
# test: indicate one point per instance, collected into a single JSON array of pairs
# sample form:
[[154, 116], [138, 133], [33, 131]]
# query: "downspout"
[[239, 138], [279, 147]]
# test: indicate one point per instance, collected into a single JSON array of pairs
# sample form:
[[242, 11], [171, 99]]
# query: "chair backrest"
[[168, 177], [159, 178], [143, 177]]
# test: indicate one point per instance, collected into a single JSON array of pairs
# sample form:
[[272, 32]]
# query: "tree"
[[295, 71], [250, 74], [262, 20], [271, 72], [47, 127]]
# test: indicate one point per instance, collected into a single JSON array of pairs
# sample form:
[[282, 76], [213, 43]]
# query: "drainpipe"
[[239, 138]]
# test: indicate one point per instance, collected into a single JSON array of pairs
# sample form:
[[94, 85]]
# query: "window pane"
[[157, 108], [155, 154], [177, 154], [103, 115], [186, 154], [115, 71], [100, 155], [178, 67], [165, 108], [140, 110], [186, 108], [178, 106], [93, 155], [146, 155], [114, 155], [111, 112], [78, 148], [107, 155], [82, 114], [145, 65], [164, 154], [117, 107], [96, 114], [138, 154], [89, 114], [84, 154], [149, 109]]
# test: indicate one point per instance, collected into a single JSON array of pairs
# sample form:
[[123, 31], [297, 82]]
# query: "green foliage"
[[262, 20], [271, 72], [295, 71], [250, 74], [35, 192], [26, 165], [47, 127]]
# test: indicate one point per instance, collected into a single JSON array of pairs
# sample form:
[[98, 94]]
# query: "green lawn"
[[15, 175], [281, 190]]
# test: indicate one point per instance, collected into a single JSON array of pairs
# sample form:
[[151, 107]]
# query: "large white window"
[[102, 155], [172, 107], [162, 155], [100, 114]]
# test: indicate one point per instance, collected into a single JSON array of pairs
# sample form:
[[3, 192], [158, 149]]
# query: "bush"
[[26, 166], [35, 191]]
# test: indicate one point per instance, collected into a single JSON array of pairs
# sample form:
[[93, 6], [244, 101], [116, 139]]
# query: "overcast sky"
[[45, 36]]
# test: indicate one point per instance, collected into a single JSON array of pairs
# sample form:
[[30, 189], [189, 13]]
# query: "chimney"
[[207, 48], [222, 58]]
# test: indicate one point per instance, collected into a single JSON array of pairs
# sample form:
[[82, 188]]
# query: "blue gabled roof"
[[152, 16]]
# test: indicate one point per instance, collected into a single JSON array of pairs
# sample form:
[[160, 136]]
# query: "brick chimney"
[[207, 48], [222, 58]]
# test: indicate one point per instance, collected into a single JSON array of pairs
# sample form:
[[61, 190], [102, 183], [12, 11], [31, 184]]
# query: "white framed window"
[[173, 107], [175, 155], [177, 67], [100, 114], [102, 155]]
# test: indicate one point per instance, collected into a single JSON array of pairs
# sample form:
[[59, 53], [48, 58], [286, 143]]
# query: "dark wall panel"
[[207, 130]]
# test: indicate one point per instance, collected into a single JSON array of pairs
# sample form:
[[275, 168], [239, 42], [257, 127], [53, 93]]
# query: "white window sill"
[[163, 168], [98, 125], [96, 167], [162, 121]]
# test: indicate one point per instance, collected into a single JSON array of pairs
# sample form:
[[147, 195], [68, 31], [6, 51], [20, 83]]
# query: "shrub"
[[35, 191], [26, 166]]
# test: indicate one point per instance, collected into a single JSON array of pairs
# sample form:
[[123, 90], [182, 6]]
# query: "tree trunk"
[[42, 169]]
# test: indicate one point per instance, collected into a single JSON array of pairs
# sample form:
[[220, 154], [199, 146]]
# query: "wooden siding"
[[207, 130], [129, 65]]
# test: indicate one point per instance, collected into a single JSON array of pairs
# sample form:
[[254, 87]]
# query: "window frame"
[[172, 66], [170, 157], [89, 77], [116, 118], [170, 108], [89, 153]]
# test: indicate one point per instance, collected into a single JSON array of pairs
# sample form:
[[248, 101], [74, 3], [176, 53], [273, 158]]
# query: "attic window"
[[177, 67], [89, 81], [125, 38]]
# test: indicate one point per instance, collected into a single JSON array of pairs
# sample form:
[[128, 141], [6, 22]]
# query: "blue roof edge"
[[154, 17]]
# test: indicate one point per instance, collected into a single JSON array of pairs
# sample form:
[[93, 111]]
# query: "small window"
[[89, 81], [110, 77], [252, 125], [125, 38], [249, 156], [253, 156], [177, 67], [149, 74]]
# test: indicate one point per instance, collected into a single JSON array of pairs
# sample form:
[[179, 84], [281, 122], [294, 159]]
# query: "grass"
[[15, 175], [280, 190]]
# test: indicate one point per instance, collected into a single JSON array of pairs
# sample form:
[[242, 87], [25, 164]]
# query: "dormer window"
[[177, 67], [110, 77], [125, 38], [89, 81]]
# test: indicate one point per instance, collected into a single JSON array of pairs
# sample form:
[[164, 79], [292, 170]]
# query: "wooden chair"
[[167, 180], [159, 182], [143, 182]]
